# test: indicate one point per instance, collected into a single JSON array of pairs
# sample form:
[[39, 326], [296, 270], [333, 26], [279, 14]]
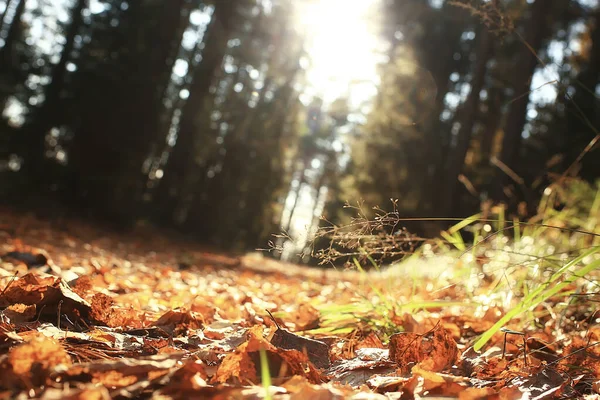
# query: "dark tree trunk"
[[261, 181], [181, 159], [33, 142], [9, 69], [251, 180], [441, 64], [143, 102], [267, 194], [177, 14], [239, 196], [3, 16], [122, 117], [323, 183], [301, 183], [490, 127], [584, 111], [536, 30], [469, 112], [6, 52]]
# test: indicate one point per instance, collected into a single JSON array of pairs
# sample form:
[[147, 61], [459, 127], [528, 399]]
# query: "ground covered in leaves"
[[88, 313]]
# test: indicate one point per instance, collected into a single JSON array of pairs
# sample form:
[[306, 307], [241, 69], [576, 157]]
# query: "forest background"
[[231, 120]]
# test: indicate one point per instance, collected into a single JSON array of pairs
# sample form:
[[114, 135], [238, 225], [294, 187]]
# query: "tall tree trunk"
[[3, 16], [584, 110], [9, 70], [490, 128], [262, 180], [177, 15], [241, 193], [301, 181], [440, 64], [469, 112], [268, 193], [483, 168], [536, 30], [323, 183], [181, 158], [107, 153], [143, 101], [6, 52], [33, 144]]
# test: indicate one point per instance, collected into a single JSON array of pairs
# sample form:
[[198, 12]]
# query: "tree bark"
[[6, 52], [490, 128], [181, 158], [143, 106], [469, 112], [536, 30], [439, 49], [9, 70], [3, 16], [584, 116], [33, 143], [121, 116]]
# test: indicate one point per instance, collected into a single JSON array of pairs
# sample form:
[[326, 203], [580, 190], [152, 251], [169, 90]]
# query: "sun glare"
[[343, 48], [343, 51]]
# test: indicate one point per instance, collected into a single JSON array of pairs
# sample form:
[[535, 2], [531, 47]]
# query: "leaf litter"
[[92, 314]]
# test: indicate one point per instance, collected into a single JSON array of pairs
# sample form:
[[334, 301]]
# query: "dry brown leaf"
[[433, 351], [19, 313], [238, 366], [317, 351], [29, 364]]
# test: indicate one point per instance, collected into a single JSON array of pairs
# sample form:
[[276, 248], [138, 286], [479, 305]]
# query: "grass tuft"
[[477, 264]]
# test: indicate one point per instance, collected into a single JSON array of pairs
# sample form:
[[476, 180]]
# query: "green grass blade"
[[517, 230], [542, 293], [464, 223], [454, 239], [265, 374], [573, 262]]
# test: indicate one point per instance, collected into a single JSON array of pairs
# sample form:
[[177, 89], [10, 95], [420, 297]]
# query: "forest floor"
[[87, 313]]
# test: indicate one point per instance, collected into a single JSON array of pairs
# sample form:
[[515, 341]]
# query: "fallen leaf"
[[29, 364], [317, 351], [433, 351]]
